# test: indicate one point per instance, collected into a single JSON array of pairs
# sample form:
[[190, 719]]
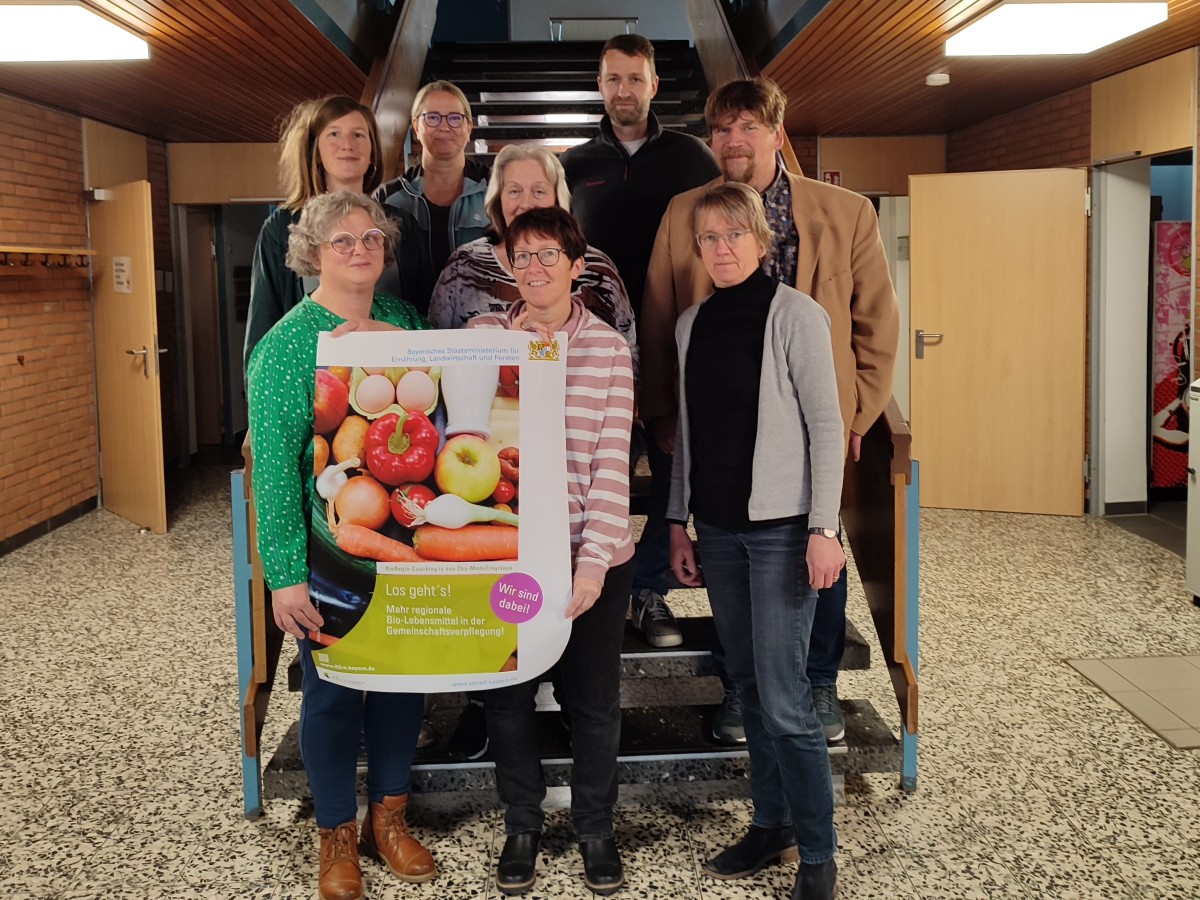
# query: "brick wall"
[[1053, 133], [806, 154], [47, 402]]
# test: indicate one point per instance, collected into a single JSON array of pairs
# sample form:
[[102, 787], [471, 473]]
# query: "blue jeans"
[[587, 684], [828, 641], [332, 721], [826, 645], [652, 558], [763, 608]]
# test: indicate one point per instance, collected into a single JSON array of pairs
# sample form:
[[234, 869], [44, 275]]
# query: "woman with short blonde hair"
[[438, 203], [763, 484]]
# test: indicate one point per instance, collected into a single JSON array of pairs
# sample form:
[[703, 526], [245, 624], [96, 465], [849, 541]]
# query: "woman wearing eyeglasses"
[[546, 249], [331, 144], [763, 482], [439, 204], [346, 239], [479, 278]]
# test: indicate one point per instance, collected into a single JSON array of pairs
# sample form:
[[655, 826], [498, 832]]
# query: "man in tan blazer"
[[826, 244]]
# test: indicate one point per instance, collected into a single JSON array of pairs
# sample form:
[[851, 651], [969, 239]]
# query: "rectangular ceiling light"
[[1020, 28], [63, 32]]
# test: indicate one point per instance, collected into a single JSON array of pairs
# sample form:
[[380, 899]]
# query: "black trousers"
[[588, 687]]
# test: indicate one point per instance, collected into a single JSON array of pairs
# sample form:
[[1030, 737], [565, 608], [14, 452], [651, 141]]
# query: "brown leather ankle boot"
[[340, 877], [386, 837]]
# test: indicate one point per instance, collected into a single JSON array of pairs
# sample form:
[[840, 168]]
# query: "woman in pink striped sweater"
[[546, 249]]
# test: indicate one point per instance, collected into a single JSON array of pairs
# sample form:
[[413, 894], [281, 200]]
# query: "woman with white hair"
[[478, 277]]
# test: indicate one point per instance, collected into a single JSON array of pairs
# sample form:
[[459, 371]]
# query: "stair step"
[[694, 655], [508, 134], [692, 658], [657, 745], [684, 71], [665, 52], [540, 75], [567, 119], [562, 88], [534, 104]]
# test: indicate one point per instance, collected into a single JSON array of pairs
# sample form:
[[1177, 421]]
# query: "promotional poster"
[[1172, 362], [439, 547]]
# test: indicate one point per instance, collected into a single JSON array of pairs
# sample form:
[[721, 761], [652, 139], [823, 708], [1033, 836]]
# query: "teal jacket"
[[274, 288], [414, 274]]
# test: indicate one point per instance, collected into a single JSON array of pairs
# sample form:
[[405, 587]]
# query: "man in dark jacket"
[[621, 182]]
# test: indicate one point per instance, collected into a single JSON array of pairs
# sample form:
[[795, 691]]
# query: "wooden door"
[[998, 269], [127, 379]]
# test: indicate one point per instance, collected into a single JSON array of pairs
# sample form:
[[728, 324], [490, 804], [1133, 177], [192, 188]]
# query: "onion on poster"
[[439, 546]]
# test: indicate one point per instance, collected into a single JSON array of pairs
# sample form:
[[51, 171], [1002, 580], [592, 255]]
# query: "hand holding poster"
[[439, 546]]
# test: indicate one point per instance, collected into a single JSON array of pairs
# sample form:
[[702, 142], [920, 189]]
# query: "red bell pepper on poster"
[[401, 447]]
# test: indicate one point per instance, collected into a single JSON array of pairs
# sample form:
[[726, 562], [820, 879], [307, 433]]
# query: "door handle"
[[922, 337], [144, 353]]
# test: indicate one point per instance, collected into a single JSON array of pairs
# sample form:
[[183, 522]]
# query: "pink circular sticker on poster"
[[516, 598]]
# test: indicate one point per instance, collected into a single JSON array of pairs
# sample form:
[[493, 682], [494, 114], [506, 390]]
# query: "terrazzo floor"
[[119, 747]]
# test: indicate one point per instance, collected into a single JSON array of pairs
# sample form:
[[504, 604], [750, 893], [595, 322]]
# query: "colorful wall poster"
[[439, 545], [1172, 353]]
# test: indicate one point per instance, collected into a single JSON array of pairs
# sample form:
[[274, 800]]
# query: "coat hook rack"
[[33, 262]]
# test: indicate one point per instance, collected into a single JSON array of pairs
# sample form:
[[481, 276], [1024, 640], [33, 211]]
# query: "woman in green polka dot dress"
[[346, 239]]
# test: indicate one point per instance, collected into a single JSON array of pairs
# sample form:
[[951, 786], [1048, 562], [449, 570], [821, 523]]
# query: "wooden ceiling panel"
[[860, 67], [227, 70], [218, 71]]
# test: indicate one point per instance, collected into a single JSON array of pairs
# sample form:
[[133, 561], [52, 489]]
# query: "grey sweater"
[[798, 449]]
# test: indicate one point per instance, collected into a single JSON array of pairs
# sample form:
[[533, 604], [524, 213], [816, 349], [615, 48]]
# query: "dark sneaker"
[[727, 721], [829, 711], [469, 740], [816, 881], [654, 620], [760, 847]]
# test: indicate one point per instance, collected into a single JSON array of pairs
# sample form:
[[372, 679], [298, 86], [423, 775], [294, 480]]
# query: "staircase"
[[667, 698], [545, 92]]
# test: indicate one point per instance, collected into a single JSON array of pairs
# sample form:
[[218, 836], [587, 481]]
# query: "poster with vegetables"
[[439, 548]]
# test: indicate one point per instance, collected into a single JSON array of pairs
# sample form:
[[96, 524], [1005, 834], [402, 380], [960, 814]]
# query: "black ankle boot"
[[816, 881], [760, 847], [602, 871], [517, 869]]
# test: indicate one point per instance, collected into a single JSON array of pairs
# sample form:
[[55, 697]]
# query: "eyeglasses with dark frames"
[[434, 119], [547, 256]]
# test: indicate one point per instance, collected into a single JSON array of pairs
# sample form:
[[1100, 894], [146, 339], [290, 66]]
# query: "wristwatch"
[[824, 532]]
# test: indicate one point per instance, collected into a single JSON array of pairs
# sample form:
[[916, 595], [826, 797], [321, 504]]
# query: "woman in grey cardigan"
[[758, 464]]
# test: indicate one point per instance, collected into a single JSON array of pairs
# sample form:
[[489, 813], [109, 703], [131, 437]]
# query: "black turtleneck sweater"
[[724, 364]]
